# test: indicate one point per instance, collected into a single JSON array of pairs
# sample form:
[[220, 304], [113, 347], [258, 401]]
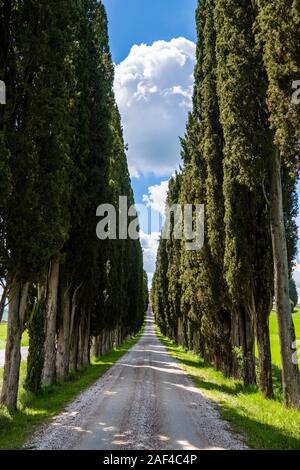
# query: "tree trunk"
[[82, 342], [73, 333], [74, 348], [104, 342], [236, 343], [243, 340], [100, 345], [264, 353], [290, 371], [17, 307], [63, 339], [86, 342], [96, 346], [107, 342], [49, 370], [248, 343], [117, 337], [79, 348]]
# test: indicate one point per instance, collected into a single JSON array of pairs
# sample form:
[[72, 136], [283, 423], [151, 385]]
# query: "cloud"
[[156, 198], [150, 245], [296, 275], [153, 88]]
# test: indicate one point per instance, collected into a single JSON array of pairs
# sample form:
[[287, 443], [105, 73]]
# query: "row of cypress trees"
[[240, 158], [61, 155]]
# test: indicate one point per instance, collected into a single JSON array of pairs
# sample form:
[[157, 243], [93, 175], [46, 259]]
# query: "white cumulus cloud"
[[149, 244], [153, 88], [156, 197], [296, 275]]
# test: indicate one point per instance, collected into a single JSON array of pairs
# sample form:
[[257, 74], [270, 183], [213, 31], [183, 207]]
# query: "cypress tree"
[[218, 320], [241, 83], [18, 258], [193, 276], [51, 106], [176, 325], [5, 117], [160, 289], [84, 269], [279, 34], [145, 291]]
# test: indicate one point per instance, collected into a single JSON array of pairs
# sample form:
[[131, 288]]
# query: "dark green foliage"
[[160, 302], [146, 291], [38, 135], [279, 34], [35, 362]]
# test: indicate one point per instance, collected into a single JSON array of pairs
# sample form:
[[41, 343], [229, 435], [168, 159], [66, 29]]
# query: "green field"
[[264, 424], [3, 327], [17, 427], [274, 336]]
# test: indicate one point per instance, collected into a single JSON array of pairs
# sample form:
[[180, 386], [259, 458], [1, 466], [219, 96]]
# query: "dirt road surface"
[[145, 401]]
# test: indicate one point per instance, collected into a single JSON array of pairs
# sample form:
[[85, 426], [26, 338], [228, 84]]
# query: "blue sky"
[[133, 22], [145, 21], [153, 46]]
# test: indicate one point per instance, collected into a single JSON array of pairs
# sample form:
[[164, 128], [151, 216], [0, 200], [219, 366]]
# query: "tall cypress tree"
[[241, 90], [160, 302], [18, 241], [37, 220], [85, 261], [176, 322], [219, 319], [5, 117], [279, 34]]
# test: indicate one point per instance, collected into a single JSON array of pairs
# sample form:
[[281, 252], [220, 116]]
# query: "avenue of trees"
[[61, 155], [240, 158]]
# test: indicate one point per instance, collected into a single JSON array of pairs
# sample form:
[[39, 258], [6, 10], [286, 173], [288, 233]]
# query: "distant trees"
[[240, 156], [61, 155], [293, 294]]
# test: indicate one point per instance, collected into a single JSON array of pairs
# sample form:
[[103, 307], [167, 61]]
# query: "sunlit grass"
[[3, 329], [276, 359]]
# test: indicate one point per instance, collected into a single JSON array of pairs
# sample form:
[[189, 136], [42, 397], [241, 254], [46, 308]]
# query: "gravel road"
[[24, 354], [145, 401]]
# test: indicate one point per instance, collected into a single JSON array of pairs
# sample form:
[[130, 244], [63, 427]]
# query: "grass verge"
[[263, 424], [3, 329], [276, 359], [17, 427]]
